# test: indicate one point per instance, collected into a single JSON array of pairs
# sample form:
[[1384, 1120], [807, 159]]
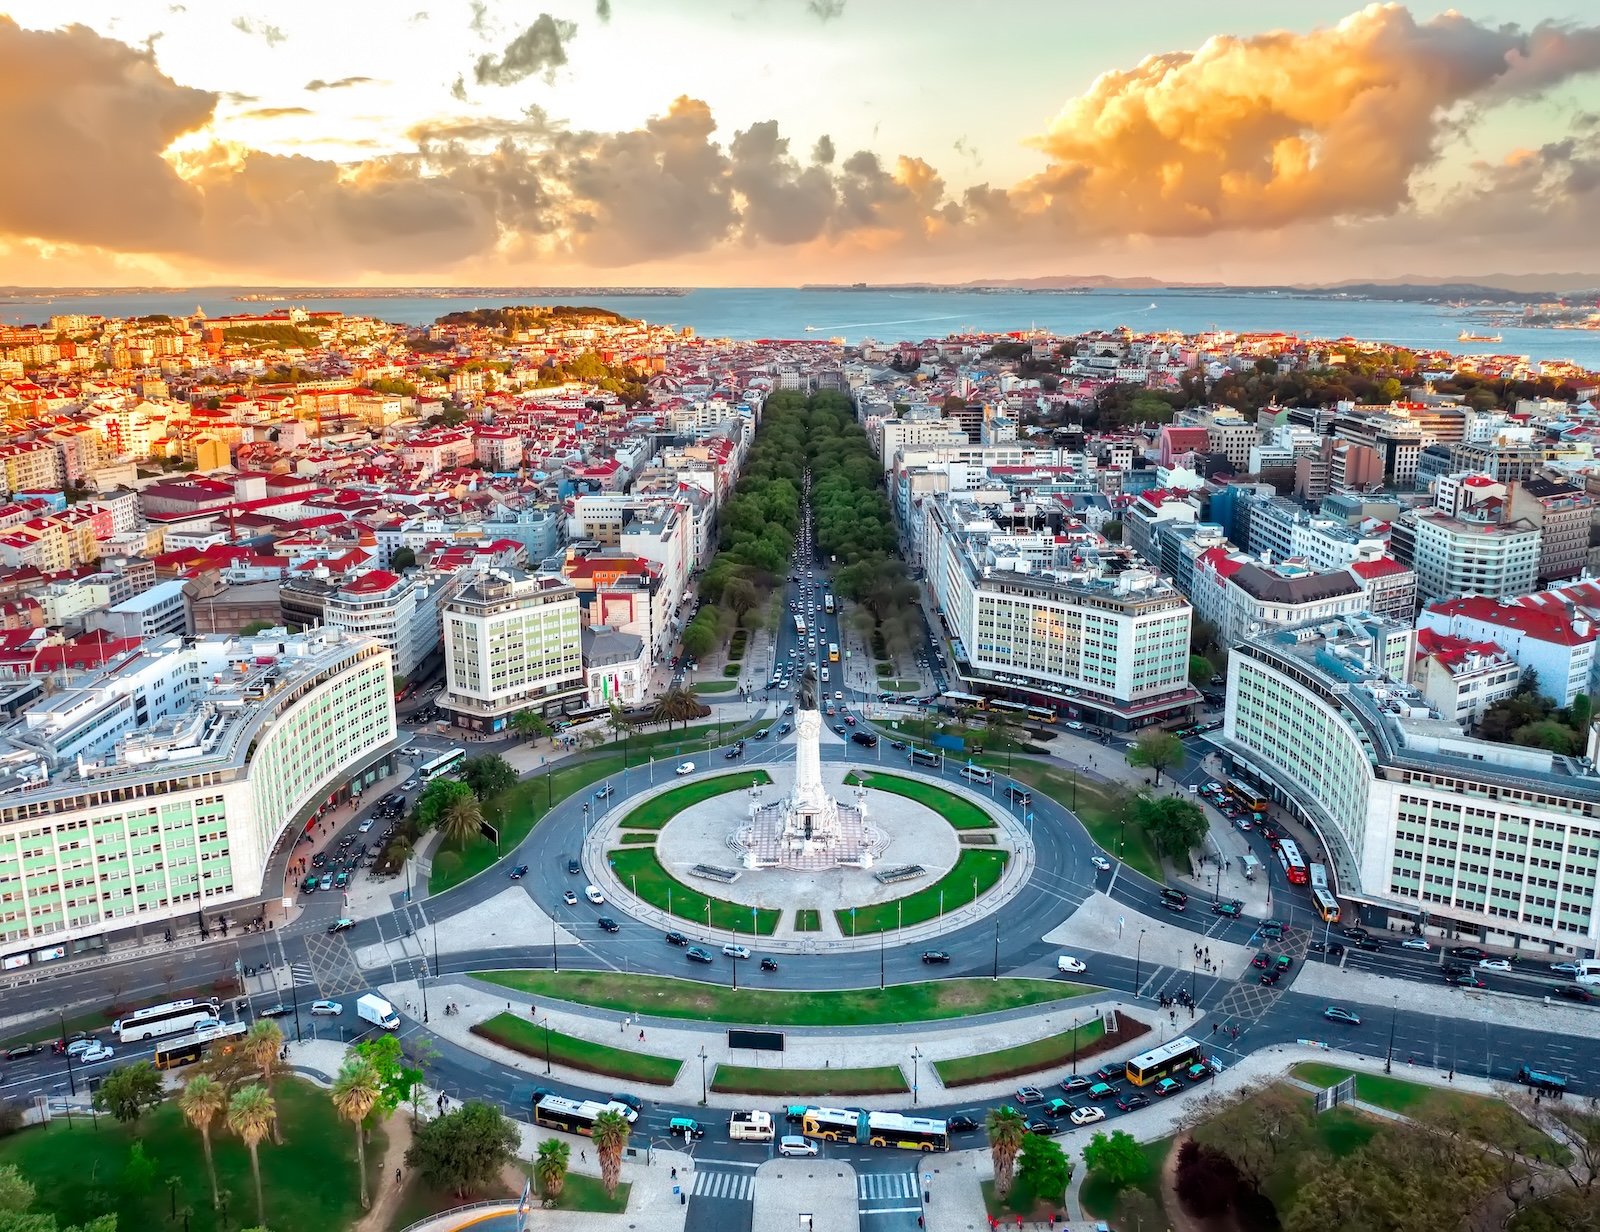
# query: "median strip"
[[1052, 1052], [532, 1040], [809, 1083]]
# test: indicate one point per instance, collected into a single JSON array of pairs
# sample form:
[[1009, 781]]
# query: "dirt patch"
[[386, 1200]]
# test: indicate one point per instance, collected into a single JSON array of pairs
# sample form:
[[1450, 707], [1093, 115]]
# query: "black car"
[[1043, 1128], [1073, 1083], [677, 938], [897, 744], [785, 728], [935, 956], [960, 1124], [1371, 944], [610, 925], [866, 738], [574, 867], [840, 728], [1333, 949], [1169, 895], [1571, 992], [279, 1010], [1172, 904], [1271, 977], [518, 873], [1467, 951], [1133, 1100], [22, 1050], [1357, 934], [735, 751], [1111, 1073], [695, 954], [539, 1093], [788, 710], [627, 1100]]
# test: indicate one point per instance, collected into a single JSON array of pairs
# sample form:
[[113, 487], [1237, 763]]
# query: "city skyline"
[[777, 142]]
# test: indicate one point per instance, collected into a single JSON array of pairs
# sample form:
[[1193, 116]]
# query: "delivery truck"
[[374, 1009]]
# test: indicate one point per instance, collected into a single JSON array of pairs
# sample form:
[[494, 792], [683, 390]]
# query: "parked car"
[[328, 1009]]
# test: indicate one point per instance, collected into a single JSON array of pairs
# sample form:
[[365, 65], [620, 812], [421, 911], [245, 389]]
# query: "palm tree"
[[251, 1113], [462, 820], [1006, 1129], [610, 1137], [263, 1044], [202, 1099], [675, 706], [550, 1168], [355, 1092]]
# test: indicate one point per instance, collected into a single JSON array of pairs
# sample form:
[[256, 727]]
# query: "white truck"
[[753, 1126], [370, 1007]]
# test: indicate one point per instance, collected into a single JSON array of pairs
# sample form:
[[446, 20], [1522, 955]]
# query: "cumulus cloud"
[[825, 10], [823, 151], [541, 48], [342, 83], [602, 10], [271, 35], [1269, 130], [784, 203]]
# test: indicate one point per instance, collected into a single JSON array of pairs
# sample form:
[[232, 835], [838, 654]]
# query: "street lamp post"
[[547, 1043], [1388, 1058], [880, 960], [733, 960], [916, 1055], [702, 1075], [555, 959], [996, 974], [1138, 954], [1074, 1045], [72, 1082]]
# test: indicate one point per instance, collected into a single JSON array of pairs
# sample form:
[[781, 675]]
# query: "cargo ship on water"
[[1468, 336]]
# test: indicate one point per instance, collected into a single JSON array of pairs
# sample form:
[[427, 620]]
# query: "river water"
[[890, 316]]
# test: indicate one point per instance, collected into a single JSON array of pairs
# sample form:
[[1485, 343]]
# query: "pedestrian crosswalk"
[[729, 1186], [877, 1186], [301, 973]]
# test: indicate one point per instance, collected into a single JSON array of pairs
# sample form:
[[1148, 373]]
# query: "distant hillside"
[[518, 316]]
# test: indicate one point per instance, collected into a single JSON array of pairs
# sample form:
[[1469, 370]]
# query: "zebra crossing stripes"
[[881, 1186], [301, 973], [729, 1186]]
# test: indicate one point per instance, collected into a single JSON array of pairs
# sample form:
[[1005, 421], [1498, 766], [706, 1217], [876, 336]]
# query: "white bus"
[[168, 1018], [443, 764]]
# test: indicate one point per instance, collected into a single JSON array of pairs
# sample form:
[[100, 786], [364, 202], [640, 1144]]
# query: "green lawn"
[[524, 1036], [807, 920], [639, 870], [310, 1181], [929, 1001], [716, 686], [516, 811], [1496, 1123], [1096, 808], [960, 813], [657, 811], [887, 685], [581, 1192], [643, 837], [975, 873], [808, 1083], [1100, 1200], [925, 729], [1052, 1052]]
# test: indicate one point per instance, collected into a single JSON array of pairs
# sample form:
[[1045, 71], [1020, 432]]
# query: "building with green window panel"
[[170, 788], [1457, 836]]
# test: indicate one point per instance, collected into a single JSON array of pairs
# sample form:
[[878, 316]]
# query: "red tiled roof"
[[1540, 623]]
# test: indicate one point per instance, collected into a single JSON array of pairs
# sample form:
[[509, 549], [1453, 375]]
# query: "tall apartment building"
[[1491, 842], [1151, 508], [1505, 460], [1110, 650], [175, 783], [1468, 555], [511, 642], [400, 612], [1227, 432], [1562, 512]]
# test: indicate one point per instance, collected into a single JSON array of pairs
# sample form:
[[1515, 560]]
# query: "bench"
[[712, 873], [903, 872]]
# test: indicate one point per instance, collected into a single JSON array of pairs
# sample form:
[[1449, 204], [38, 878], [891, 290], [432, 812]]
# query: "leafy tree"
[[699, 638], [263, 1047], [1200, 670], [1207, 1180], [1116, 1157], [550, 1168], [1006, 1128], [128, 1090], [202, 1100], [139, 1173], [1044, 1167], [1549, 734], [1156, 750], [1176, 825], [251, 1114], [528, 725], [1260, 1129], [438, 798], [398, 1078], [356, 1092], [610, 1137], [1112, 530], [488, 775], [463, 1150], [403, 559], [16, 1200]]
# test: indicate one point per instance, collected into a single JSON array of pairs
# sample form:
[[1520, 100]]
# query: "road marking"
[[730, 1163], [886, 1210]]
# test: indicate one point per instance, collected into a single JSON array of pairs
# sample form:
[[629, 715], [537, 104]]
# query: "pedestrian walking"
[[583, 1157], [397, 1176], [641, 1037]]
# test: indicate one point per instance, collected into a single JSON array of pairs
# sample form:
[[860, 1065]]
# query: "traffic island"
[[809, 1083], [557, 1048], [1069, 1048]]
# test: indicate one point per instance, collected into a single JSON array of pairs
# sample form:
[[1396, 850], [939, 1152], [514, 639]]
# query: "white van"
[[755, 1126], [1589, 972], [977, 774]]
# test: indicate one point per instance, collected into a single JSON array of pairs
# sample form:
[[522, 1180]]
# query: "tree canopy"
[[127, 1091], [463, 1150]]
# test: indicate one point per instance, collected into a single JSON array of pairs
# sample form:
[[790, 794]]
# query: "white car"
[[686, 768], [1071, 965], [365, 825], [569, 898], [95, 1053], [1101, 863], [736, 951], [838, 695], [1088, 1115], [592, 893], [1074, 724], [793, 1144], [1415, 943], [1494, 964], [330, 1009]]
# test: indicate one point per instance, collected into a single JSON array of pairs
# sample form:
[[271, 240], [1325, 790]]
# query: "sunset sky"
[[774, 142]]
